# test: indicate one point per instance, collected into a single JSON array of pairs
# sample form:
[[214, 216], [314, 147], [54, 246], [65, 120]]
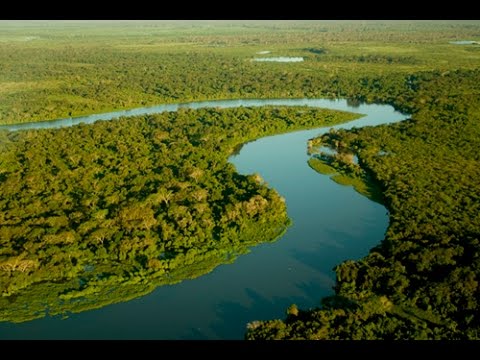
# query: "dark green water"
[[331, 223]]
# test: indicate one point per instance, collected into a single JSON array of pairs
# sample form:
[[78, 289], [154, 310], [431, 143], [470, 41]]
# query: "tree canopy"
[[96, 214]]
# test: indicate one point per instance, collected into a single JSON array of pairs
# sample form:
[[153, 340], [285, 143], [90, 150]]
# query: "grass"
[[199, 60], [321, 167], [362, 184]]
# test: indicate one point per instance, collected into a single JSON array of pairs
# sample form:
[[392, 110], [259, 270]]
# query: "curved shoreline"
[[262, 284], [334, 104]]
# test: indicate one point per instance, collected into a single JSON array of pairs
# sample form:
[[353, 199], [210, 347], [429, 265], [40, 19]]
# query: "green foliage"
[[321, 167], [66, 69], [96, 214], [422, 281], [346, 173]]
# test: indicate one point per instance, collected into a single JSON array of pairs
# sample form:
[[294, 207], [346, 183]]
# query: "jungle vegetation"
[[421, 281], [97, 214], [52, 70]]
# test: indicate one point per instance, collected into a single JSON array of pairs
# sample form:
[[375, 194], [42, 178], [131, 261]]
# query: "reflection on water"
[[464, 42], [110, 284], [331, 223], [279, 59]]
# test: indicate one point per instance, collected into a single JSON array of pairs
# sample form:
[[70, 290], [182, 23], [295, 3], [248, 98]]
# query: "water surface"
[[331, 223], [279, 59], [464, 42]]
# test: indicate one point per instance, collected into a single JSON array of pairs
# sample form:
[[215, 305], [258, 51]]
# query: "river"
[[331, 223]]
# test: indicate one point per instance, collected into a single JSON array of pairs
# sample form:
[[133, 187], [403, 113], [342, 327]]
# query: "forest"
[[50, 71], [96, 214], [422, 281], [102, 213]]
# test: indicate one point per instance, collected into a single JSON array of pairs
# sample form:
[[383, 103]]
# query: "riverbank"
[[299, 239]]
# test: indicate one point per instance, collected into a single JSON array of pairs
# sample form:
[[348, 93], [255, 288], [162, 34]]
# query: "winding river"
[[331, 223]]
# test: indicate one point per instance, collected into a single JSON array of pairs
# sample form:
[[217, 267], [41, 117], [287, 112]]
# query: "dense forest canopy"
[[52, 70], [422, 281], [113, 194], [96, 214]]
